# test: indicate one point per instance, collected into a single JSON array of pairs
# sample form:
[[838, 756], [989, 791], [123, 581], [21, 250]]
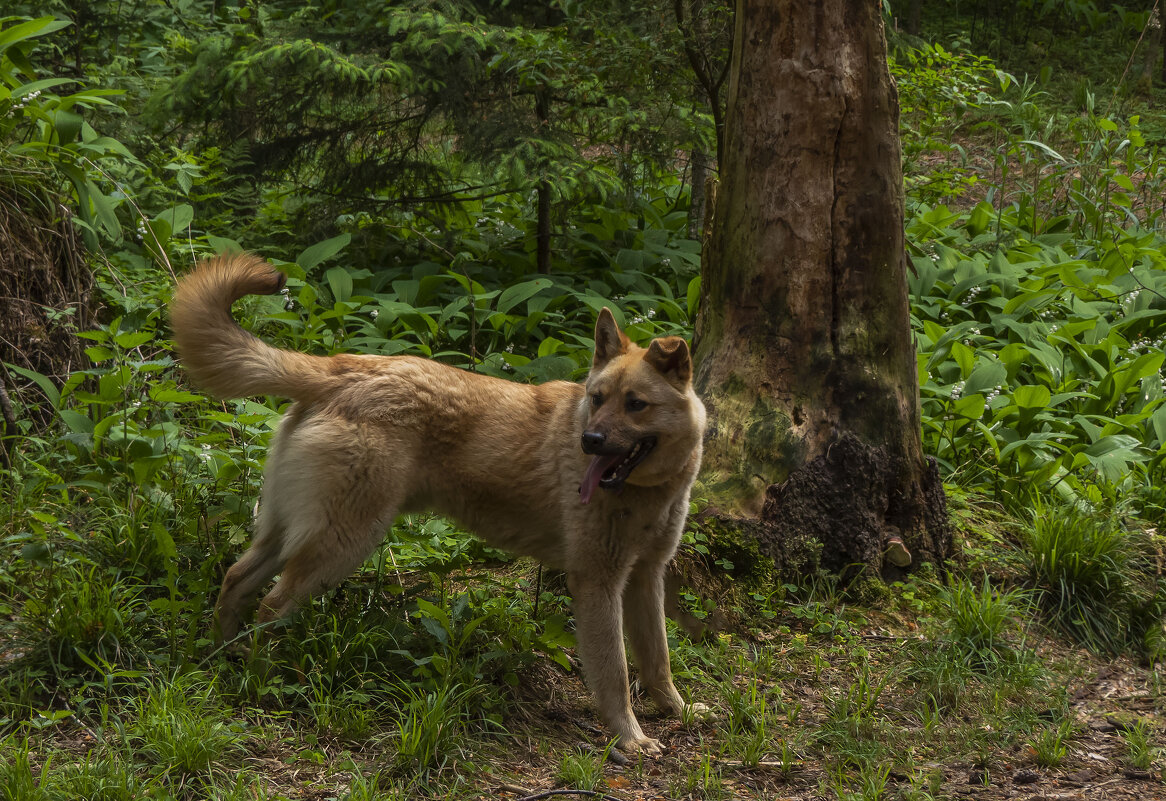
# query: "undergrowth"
[[1038, 307]]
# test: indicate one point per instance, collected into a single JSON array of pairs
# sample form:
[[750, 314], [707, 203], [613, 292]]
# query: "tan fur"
[[370, 437]]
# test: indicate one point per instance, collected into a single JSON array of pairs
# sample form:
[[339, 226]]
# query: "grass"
[[366, 698], [180, 728], [1083, 573], [443, 670], [582, 769], [1051, 745], [1140, 745]]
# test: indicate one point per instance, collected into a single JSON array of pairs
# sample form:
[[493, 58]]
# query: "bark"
[[913, 15], [804, 352], [543, 231], [1158, 26], [696, 211]]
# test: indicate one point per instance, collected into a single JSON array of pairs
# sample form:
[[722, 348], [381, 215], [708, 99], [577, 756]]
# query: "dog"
[[593, 479]]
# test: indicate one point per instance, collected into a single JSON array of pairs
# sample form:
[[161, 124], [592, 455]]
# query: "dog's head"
[[642, 421]]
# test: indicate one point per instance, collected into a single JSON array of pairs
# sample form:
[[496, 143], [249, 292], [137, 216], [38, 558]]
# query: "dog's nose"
[[592, 441]]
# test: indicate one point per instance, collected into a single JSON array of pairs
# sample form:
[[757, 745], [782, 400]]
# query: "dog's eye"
[[636, 405], [596, 399]]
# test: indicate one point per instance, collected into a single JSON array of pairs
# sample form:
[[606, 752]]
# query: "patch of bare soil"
[[1106, 697]]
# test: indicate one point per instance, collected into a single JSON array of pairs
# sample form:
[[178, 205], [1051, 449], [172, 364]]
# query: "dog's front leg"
[[598, 611]]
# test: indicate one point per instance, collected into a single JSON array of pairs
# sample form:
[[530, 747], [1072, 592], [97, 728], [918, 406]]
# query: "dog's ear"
[[670, 356], [609, 340]]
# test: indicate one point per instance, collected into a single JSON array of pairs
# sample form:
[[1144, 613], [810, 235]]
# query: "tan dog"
[[593, 480]]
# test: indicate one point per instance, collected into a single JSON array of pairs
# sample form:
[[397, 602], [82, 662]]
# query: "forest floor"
[[835, 707]]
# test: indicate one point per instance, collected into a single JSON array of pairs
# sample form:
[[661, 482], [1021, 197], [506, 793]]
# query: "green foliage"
[[1050, 746], [430, 727], [46, 133], [1040, 358], [1139, 742], [180, 729], [386, 157], [583, 770], [978, 620], [432, 104], [1090, 578]]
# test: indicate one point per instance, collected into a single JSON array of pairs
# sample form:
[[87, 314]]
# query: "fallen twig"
[[587, 793]]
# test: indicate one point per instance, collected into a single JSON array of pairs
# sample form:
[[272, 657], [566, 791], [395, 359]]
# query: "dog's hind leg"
[[255, 568], [644, 620], [322, 561]]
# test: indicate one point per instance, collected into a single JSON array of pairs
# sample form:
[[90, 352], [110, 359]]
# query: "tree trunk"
[[804, 350], [700, 174], [913, 15], [543, 193], [1161, 14]]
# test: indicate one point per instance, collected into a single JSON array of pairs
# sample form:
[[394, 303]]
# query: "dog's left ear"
[[670, 356], [609, 340]]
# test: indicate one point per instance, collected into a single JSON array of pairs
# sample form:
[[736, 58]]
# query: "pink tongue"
[[595, 471]]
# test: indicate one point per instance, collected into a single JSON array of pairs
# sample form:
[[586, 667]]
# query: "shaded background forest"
[[471, 181]]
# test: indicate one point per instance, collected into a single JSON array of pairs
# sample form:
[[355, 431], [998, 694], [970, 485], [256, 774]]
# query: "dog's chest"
[[637, 525]]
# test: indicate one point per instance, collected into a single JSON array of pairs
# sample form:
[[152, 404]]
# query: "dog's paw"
[[643, 746], [236, 650]]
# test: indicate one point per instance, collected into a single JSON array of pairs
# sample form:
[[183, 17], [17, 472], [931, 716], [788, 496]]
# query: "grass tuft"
[[583, 769], [181, 728], [1080, 567], [1139, 742]]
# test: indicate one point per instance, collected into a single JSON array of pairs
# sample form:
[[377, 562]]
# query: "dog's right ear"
[[609, 340]]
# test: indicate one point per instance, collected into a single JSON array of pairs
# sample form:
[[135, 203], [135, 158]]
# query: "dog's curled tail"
[[223, 358]]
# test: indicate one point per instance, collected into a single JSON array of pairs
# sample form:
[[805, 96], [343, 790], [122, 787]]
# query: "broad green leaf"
[[222, 244], [104, 207], [322, 251], [78, 423], [692, 297], [132, 339], [46, 386], [340, 282], [179, 217], [99, 353], [1031, 396], [988, 375], [27, 30], [970, 406], [171, 395], [549, 346], [37, 86], [965, 357], [1158, 420], [517, 293]]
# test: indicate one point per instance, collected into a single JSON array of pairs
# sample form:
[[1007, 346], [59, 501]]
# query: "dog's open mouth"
[[611, 470]]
